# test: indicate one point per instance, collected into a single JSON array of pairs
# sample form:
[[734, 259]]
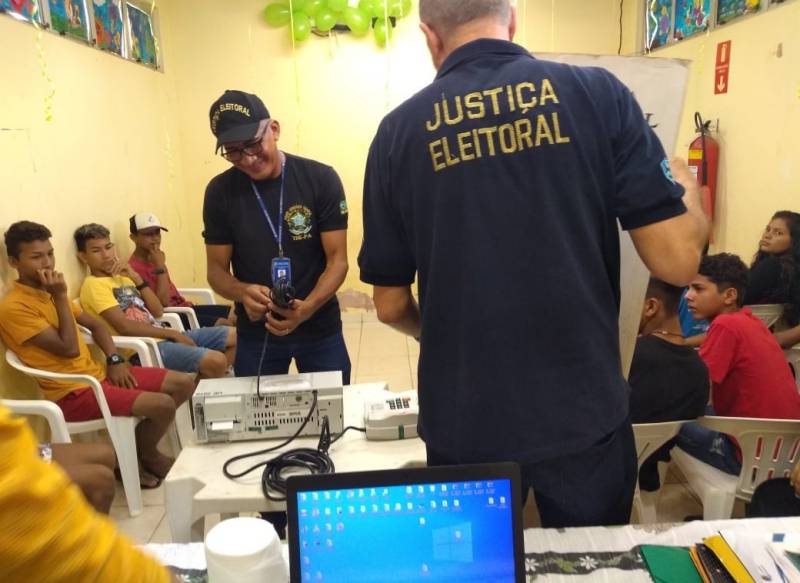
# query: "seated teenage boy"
[[749, 373], [40, 324], [150, 263], [120, 298], [668, 380]]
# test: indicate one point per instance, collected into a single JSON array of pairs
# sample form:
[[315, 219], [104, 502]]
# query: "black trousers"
[[774, 498], [593, 487]]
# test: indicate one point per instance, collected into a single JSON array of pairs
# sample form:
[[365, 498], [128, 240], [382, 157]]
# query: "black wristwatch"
[[159, 271], [113, 359], [142, 285]]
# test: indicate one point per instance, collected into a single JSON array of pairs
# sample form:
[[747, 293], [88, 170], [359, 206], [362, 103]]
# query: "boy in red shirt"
[[750, 376]]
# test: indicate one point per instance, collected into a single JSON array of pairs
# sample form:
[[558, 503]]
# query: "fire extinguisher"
[[703, 162]]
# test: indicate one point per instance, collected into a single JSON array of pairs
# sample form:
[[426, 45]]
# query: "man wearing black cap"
[[280, 222]]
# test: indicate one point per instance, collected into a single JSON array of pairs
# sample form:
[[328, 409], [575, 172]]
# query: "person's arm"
[[162, 283], [334, 244], [62, 341], [118, 374], [116, 318], [788, 338], [151, 301], [397, 307], [50, 533], [671, 249], [253, 297]]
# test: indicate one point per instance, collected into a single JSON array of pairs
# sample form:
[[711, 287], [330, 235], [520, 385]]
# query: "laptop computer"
[[440, 524]]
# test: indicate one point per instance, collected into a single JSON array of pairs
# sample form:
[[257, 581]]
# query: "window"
[[670, 21]]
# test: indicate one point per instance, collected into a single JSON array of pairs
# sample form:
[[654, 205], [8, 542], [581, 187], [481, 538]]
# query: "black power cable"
[[315, 461]]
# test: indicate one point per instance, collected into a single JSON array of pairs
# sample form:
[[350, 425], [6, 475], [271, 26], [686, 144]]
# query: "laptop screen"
[[416, 527]]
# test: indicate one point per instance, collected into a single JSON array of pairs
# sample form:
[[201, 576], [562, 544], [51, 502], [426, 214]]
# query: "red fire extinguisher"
[[703, 162]]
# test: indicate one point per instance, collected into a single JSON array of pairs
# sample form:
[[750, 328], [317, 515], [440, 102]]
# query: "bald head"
[[445, 16]]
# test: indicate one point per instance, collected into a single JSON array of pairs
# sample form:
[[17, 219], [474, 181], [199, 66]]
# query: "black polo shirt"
[[314, 202], [499, 186]]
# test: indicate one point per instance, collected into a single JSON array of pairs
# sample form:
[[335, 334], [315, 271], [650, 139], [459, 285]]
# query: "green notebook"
[[669, 564]]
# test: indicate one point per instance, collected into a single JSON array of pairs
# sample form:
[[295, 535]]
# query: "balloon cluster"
[[322, 15]]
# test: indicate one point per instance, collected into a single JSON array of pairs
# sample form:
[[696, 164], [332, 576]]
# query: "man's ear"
[[512, 23], [275, 128], [434, 42], [13, 261], [82, 257]]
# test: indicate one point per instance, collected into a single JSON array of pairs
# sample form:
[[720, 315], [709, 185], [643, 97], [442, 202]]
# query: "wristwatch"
[[115, 358], [159, 271], [142, 285]]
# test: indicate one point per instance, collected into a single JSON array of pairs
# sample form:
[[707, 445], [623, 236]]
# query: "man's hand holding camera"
[[284, 321]]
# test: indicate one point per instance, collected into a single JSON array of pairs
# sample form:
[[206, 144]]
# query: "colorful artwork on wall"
[[69, 17], [143, 45], [659, 23], [691, 17], [727, 10], [108, 24], [24, 8]]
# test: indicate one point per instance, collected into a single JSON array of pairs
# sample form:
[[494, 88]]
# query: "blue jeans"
[[714, 448], [310, 356]]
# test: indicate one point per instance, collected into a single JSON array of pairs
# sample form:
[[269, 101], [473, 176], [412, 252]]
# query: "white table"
[[196, 486]]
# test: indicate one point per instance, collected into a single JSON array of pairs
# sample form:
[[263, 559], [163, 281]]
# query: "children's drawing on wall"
[[691, 17], [659, 22], [727, 10], [143, 46], [22, 8], [108, 24], [69, 17]]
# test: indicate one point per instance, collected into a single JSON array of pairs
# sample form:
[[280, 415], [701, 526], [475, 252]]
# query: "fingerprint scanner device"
[[391, 415], [441, 524], [229, 409]]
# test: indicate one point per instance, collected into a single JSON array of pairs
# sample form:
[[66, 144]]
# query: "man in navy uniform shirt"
[[500, 186]]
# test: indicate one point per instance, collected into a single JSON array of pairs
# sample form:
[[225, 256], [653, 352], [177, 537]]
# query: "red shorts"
[[80, 404]]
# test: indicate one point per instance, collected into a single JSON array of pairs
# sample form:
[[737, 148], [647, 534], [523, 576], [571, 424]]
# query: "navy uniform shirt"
[[314, 202], [500, 185]]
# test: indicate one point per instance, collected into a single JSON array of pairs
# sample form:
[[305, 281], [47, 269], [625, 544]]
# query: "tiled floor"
[[377, 353]]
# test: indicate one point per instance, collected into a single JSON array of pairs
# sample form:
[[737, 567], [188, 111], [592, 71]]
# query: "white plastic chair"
[[793, 356], [206, 295], [59, 433], [767, 313], [120, 429], [649, 437], [769, 450]]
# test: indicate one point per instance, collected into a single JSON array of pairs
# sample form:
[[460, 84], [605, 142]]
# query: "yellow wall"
[[759, 121], [112, 148]]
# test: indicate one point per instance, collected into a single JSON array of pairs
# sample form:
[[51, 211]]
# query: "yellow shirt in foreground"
[[48, 532], [26, 312]]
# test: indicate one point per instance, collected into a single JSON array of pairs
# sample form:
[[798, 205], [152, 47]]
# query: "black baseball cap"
[[235, 117]]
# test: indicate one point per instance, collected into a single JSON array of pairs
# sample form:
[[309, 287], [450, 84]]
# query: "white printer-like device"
[[230, 409]]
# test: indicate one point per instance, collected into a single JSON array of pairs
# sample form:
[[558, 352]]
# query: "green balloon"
[[337, 5], [379, 8], [301, 28], [297, 5], [367, 6], [325, 20], [383, 31], [399, 8], [357, 20], [277, 14], [313, 7]]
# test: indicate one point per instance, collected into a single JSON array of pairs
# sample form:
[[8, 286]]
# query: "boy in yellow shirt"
[[40, 324]]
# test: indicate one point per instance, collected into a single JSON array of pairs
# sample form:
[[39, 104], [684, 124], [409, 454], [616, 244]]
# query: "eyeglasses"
[[253, 148]]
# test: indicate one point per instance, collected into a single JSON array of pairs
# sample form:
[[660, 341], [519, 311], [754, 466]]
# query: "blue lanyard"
[[278, 234]]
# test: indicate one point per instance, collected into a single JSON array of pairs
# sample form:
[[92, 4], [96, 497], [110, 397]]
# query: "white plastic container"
[[245, 550]]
